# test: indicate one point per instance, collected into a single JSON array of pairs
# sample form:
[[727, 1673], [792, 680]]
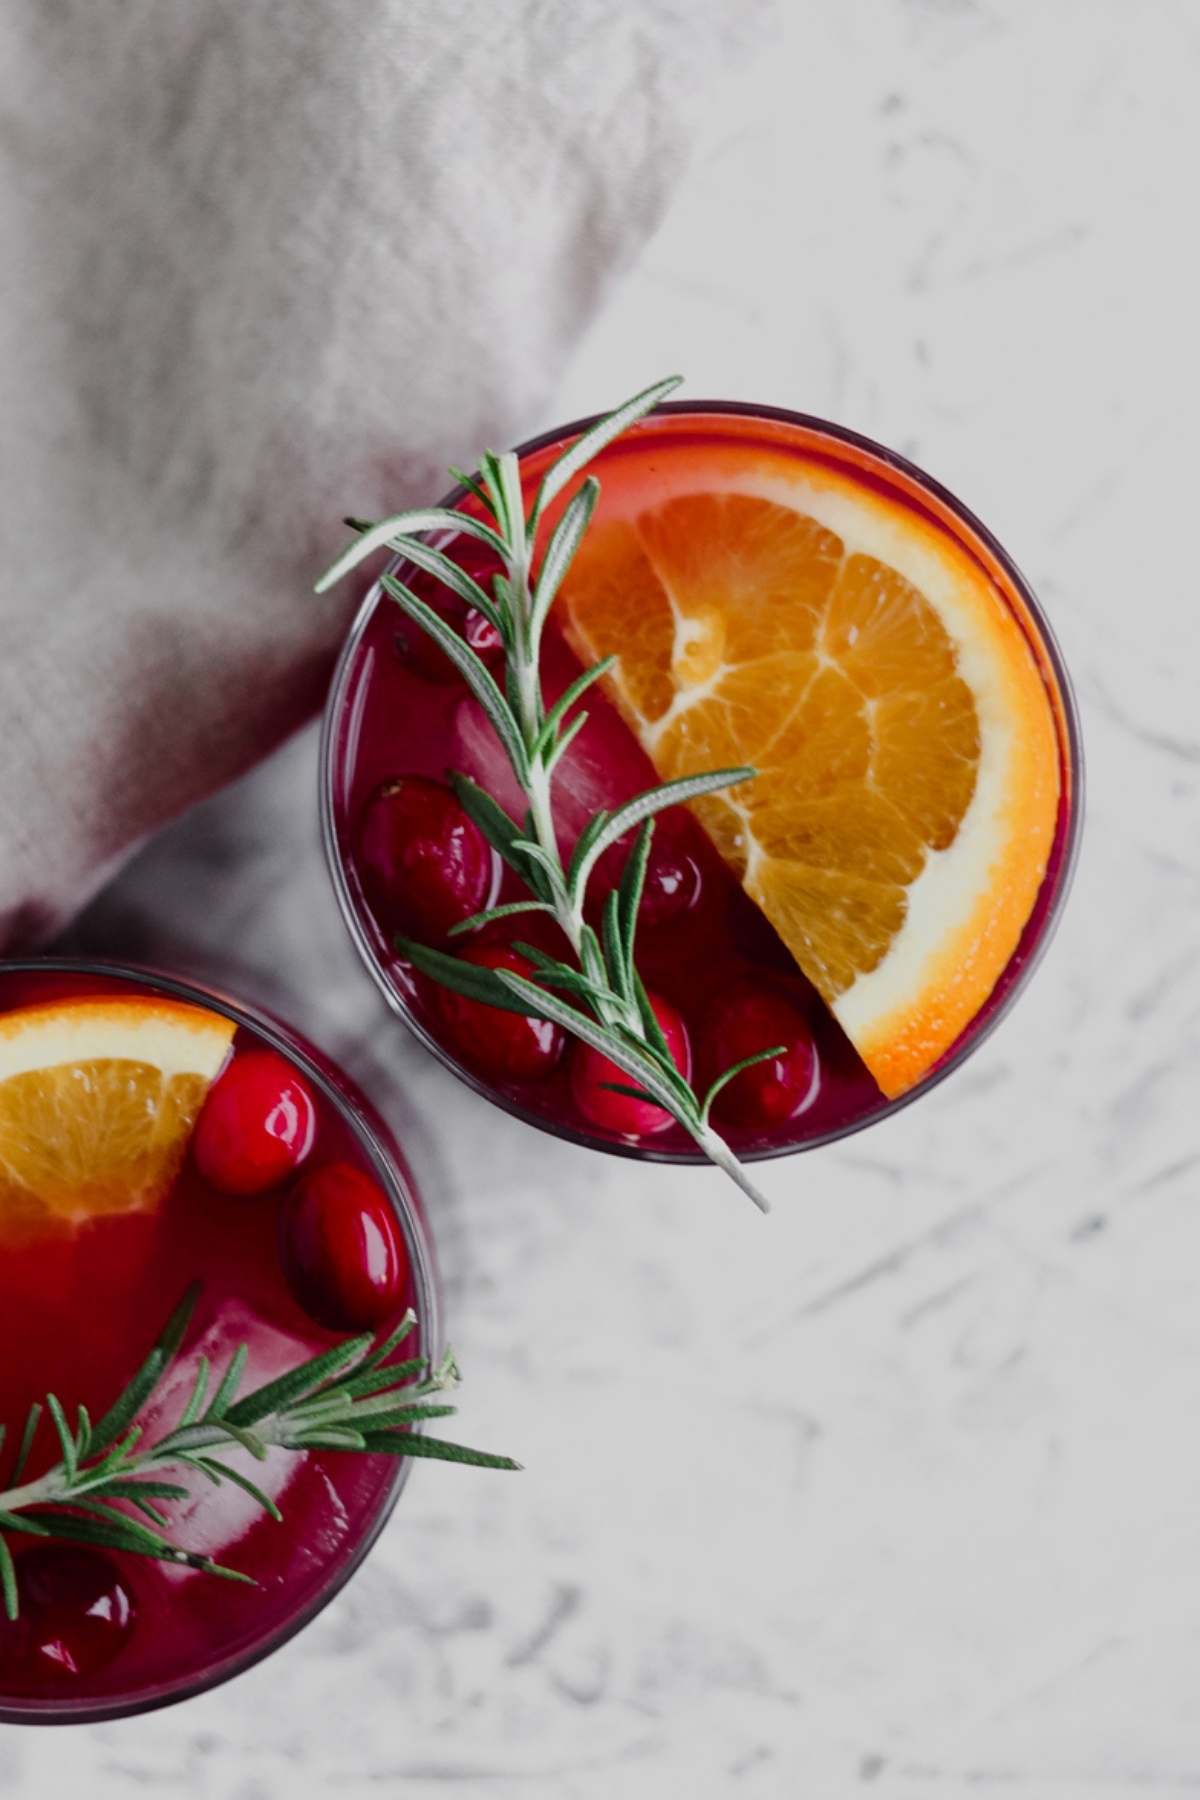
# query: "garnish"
[[350, 1397], [601, 998]]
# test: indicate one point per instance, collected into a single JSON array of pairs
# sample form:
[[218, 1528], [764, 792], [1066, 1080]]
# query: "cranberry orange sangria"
[[700, 781], [219, 1331]]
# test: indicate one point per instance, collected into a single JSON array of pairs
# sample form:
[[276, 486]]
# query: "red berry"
[[748, 1017], [673, 882], [76, 1614], [422, 655], [425, 865], [621, 1112], [504, 1045], [418, 649], [341, 1248], [256, 1125]]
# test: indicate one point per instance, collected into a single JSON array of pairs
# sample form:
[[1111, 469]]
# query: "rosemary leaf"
[[329, 1437], [566, 740], [8, 1581], [468, 979], [409, 1414], [371, 1380], [123, 1411], [284, 1392], [632, 1093], [650, 1024], [597, 437], [65, 1436], [32, 1420], [495, 824], [471, 485], [404, 1443], [654, 800], [400, 526], [14, 1521], [583, 850], [195, 1405], [223, 1398], [747, 1062], [566, 701], [634, 1061], [436, 562], [551, 872], [222, 1471], [565, 540], [130, 1487], [403, 1328], [249, 1440], [508, 481], [508, 911], [472, 669], [633, 880], [614, 948]]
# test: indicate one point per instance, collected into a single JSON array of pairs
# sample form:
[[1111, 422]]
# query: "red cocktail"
[[288, 1203], [775, 592]]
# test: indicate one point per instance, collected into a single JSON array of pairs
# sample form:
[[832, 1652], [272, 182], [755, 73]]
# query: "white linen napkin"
[[263, 262]]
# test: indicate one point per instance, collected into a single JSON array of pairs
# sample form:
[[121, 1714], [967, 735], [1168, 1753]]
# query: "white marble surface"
[[896, 1492]]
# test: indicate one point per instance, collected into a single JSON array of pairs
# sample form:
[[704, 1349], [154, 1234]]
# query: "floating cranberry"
[[256, 1125], [673, 883], [425, 865], [418, 649], [590, 1071], [421, 654], [505, 1045], [341, 1249], [748, 1017], [77, 1613]]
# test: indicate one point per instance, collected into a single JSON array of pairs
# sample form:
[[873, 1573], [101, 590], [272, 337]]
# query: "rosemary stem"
[[718, 1152], [49, 1487], [603, 981]]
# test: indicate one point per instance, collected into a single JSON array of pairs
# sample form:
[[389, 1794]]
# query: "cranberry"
[[77, 1613], [673, 882], [341, 1249], [424, 657], [425, 864], [505, 1045], [418, 649], [748, 1017], [672, 885], [621, 1112], [256, 1125]]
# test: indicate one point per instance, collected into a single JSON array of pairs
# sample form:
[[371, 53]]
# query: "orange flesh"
[[906, 745]]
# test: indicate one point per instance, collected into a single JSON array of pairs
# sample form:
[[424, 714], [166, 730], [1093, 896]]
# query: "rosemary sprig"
[[600, 997], [350, 1397]]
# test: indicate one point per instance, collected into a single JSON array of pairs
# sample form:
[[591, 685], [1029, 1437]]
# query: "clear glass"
[[367, 1493], [729, 424]]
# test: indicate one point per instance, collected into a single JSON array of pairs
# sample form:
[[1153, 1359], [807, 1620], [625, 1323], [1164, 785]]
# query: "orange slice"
[[97, 1100], [774, 612]]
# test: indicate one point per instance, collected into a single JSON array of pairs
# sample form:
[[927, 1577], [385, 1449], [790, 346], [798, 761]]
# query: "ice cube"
[[213, 1518]]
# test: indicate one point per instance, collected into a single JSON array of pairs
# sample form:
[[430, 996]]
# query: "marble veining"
[[896, 1492]]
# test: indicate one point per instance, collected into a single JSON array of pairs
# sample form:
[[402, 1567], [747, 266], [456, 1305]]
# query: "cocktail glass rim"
[[356, 1113], [973, 1037]]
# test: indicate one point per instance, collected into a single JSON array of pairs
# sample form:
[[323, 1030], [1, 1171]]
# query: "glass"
[[192, 1630], [385, 716]]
